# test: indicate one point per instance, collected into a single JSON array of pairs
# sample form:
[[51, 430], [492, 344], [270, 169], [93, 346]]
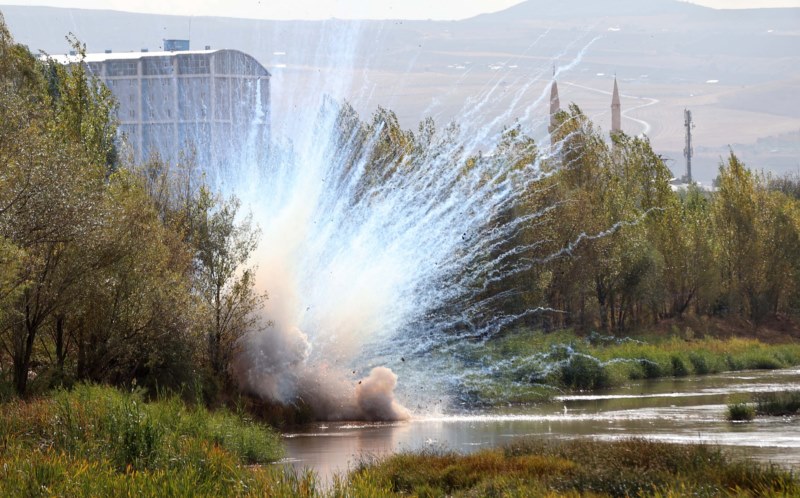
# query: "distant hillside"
[[581, 9], [739, 70]]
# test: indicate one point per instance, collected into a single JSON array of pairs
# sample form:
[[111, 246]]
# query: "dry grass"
[[579, 468]]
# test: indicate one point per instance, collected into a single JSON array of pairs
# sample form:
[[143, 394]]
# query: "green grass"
[[778, 404], [526, 366], [741, 412], [98, 441]]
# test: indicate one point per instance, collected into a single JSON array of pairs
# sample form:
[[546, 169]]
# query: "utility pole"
[[688, 152]]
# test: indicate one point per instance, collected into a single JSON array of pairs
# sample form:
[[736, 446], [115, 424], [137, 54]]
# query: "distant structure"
[[616, 111], [688, 151], [176, 45], [555, 106], [207, 101]]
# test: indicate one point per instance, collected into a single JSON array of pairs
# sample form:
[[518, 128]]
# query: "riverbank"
[[98, 441], [529, 366]]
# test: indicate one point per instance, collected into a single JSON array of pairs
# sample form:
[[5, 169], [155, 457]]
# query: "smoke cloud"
[[375, 396], [275, 365]]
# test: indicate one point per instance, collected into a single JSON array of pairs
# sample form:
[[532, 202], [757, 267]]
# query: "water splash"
[[377, 246]]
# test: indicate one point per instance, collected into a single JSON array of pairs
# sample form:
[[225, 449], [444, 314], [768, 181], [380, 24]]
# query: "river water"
[[681, 410]]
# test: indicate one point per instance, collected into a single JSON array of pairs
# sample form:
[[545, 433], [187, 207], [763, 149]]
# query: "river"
[[681, 410]]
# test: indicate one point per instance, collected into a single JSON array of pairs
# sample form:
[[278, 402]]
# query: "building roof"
[[116, 56], [102, 57]]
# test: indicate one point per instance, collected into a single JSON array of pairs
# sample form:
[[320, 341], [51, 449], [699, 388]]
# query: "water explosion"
[[378, 244]]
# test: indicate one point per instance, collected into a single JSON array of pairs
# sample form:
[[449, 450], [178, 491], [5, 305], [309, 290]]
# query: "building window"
[[121, 68], [193, 64], [157, 66]]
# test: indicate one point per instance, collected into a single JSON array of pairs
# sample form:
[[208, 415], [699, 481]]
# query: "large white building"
[[209, 102]]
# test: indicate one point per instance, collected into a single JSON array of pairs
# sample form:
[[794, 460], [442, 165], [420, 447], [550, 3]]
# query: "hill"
[[738, 70]]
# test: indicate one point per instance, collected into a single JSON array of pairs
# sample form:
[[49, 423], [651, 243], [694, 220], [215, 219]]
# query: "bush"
[[652, 370], [700, 362], [679, 368], [98, 441], [583, 372], [741, 412]]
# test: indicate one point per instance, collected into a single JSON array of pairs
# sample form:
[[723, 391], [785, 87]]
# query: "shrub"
[[679, 368], [583, 372], [741, 412], [700, 362], [652, 370]]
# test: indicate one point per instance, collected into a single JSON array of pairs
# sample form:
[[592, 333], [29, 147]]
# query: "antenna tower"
[[688, 152]]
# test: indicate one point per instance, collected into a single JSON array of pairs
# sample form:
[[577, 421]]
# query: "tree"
[[684, 240], [224, 280], [52, 192], [135, 318]]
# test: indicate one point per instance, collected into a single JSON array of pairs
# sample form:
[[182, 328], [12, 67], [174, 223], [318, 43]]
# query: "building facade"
[[207, 103]]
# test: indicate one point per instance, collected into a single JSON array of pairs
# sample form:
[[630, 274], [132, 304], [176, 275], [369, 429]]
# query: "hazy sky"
[[345, 9]]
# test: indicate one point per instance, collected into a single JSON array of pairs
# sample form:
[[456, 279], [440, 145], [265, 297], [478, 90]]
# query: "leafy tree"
[[135, 319], [684, 240], [84, 107], [225, 282]]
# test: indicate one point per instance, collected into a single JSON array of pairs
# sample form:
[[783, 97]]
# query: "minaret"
[[616, 114], [555, 105]]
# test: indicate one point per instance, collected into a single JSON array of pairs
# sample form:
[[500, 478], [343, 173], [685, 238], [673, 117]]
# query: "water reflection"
[[687, 410]]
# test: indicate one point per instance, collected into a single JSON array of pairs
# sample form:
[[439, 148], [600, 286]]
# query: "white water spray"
[[372, 254]]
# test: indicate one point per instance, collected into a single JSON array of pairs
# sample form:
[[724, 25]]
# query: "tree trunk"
[[22, 359], [602, 303], [60, 350]]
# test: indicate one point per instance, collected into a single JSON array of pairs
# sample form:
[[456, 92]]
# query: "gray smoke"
[[275, 364]]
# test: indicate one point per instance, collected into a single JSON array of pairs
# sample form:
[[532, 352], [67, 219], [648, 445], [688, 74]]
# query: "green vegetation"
[[98, 441], [778, 404], [611, 247], [741, 412], [579, 468], [110, 272], [93, 441], [529, 366]]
